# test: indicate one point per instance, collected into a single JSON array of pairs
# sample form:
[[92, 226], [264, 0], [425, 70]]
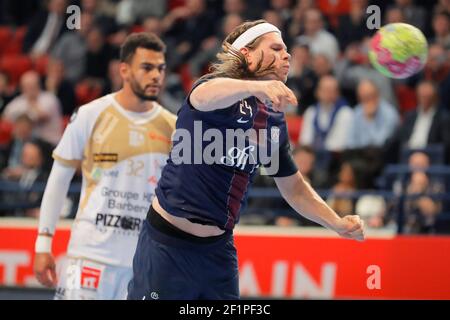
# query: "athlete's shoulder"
[[89, 112], [167, 116], [97, 105]]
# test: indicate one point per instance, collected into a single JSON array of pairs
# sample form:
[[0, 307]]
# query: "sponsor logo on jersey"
[[239, 157], [97, 173], [136, 138], [90, 278], [117, 221], [159, 137], [106, 157]]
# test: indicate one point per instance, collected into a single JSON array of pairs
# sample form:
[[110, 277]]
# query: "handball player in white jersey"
[[121, 141]]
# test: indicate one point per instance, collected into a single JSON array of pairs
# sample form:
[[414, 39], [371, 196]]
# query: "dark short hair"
[[144, 40]]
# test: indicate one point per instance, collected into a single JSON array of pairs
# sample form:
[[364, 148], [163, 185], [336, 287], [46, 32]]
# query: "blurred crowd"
[[351, 128]]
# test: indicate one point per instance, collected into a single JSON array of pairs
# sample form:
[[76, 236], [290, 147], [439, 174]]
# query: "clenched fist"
[[350, 227]]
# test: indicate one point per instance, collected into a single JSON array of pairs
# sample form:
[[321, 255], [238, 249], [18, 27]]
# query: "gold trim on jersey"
[[70, 163], [115, 134]]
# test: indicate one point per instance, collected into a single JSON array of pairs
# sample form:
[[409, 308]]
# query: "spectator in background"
[[98, 55], [6, 91], [45, 28], [189, 25], [418, 162], [322, 66], [211, 46], [131, 11], [394, 15], [71, 50], [41, 106], [437, 70], [283, 7], [441, 28], [422, 210], [301, 79], [55, 83], [326, 125], [11, 154], [274, 17], [153, 24], [428, 124], [33, 170], [319, 40], [442, 5], [352, 26], [355, 67], [304, 157], [114, 81], [102, 13], [374, 119], [237, 7], [296, 24], [18, 13], [415, 15], [347, 183]]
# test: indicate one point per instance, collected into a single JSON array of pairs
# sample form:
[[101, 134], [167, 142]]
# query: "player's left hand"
[[350, 227]]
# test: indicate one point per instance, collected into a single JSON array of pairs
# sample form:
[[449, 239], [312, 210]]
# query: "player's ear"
[[248, 55], [124, 70]]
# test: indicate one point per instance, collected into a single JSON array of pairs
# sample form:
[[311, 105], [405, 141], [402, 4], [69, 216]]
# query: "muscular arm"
[[220, 93], [301, 196]]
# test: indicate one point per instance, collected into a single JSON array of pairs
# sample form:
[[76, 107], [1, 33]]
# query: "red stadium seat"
[[85, 93], [333, 9], [137, 28], [15, 66], [175, 3], [406, 97], [186, 77], [294, 126], [6, 36], [6, 129], [15, 45]]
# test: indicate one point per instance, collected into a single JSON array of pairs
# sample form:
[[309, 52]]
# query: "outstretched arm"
[[302, 197]]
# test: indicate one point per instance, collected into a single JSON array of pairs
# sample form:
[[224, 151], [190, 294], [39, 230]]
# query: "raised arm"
[[220, 93]]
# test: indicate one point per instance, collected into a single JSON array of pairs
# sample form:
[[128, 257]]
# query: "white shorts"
[[82, 279]]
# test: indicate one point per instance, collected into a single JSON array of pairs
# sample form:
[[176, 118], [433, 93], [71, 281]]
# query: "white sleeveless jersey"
[[121, 160]]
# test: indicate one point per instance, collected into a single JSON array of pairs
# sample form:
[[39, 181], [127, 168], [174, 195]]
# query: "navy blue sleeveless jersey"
[[216, 193]]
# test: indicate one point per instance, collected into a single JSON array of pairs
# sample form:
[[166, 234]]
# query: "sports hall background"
[[398, 182]]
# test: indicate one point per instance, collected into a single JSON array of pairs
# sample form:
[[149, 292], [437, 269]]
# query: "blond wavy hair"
[[232, 63]]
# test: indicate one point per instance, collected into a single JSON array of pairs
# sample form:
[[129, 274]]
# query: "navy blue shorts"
[[172, 268]]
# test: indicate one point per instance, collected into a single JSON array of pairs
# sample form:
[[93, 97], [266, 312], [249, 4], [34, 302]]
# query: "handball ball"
[[398, 50]]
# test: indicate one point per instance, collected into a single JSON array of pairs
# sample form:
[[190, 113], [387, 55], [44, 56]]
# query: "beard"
[[140, 92]]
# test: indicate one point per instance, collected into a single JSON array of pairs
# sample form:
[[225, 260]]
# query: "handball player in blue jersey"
[[185, 248]]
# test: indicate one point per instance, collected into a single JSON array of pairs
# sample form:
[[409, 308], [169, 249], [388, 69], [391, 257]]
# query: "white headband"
[[253, 33]]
